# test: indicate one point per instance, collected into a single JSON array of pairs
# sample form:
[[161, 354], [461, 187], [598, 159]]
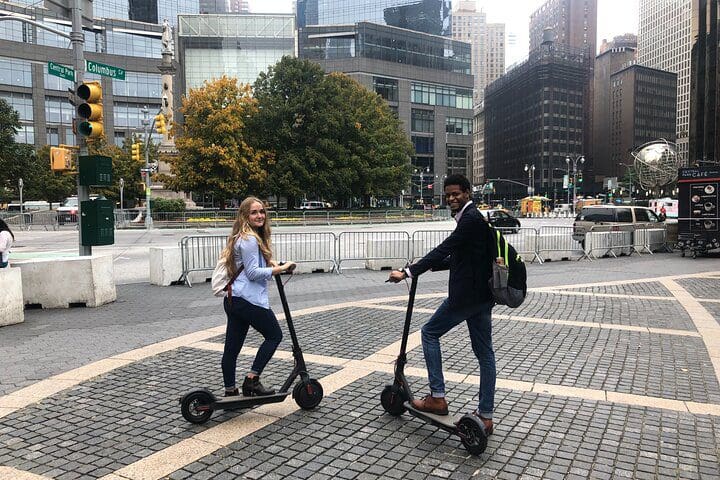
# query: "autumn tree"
[[214, 155], [330, 137]]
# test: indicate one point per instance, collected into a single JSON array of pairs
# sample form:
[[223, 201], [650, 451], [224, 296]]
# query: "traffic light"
[[579, 177], [61, 159], [160, 124], [135, 149], [91, 110]]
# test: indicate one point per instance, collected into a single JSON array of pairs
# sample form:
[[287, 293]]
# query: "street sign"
[[105, 70], [61, 71]]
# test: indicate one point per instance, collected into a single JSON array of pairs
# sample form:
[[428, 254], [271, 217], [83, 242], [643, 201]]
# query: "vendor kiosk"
[[698, 201]]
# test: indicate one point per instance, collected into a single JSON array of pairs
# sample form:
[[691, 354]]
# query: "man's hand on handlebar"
[[397, 276]]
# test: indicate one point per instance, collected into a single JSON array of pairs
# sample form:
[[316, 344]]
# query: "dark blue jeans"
[[479, 321], [241, 316]]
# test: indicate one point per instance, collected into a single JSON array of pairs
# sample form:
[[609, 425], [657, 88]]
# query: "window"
[[15, 72], [422, 120], [387, 88], [597, 215], [58, 110], [624, 215], [641, 215], [53, 136], [457, 125]]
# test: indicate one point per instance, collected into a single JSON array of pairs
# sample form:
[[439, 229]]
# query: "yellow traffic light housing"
[[90, 111], [61, 159], [160, 124], [135, 149]]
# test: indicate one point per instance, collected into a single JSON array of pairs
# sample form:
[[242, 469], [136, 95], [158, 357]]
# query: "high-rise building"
[[428, 16], [488, 44], [224, 6], [705, 84], [642, 109], [535, 115], [478, 165], [239, 45], [664, 43], [425, 78], [614, 56], [573, 22]]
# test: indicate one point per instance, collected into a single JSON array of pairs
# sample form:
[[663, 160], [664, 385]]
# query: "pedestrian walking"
[[248, 251], [468, 252], [6, 240]]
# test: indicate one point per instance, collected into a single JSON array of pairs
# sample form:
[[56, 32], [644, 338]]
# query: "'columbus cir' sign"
[[105, 70]]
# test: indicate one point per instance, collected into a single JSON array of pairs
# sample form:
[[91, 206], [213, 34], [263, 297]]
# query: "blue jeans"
[[479, 321], [242, 315]]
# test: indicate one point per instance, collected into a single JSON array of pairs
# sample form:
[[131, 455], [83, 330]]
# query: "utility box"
[[98, 222], [95, 170]]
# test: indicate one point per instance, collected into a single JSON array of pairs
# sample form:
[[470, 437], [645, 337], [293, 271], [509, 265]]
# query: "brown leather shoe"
[[487, 422], [431, 404]]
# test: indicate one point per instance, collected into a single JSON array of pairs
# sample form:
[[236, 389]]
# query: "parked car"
[[67, 212], [641, 217], [312, 205], [501, 218]]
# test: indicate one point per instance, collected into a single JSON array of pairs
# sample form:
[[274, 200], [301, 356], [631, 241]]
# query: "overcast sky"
[[615, 17]]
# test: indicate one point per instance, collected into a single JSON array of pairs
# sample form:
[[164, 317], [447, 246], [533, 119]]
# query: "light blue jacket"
[[251, 284]]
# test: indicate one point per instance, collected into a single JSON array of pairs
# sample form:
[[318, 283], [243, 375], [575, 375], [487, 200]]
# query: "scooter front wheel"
[[308, 394], [393, 400], [472, 434], [196, 406]]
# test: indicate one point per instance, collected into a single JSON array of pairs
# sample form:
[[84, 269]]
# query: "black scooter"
[[198, 406], [397, 398]]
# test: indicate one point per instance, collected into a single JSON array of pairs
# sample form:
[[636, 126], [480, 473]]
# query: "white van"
[[312, 205]]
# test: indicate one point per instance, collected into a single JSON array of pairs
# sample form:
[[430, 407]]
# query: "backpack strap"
[[228, 287], [501, 253]]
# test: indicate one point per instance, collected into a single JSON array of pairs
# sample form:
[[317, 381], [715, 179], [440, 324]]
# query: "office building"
[[488, 44], [643, 102], [573, 22], [704, 85], [614, 56], [428, 16], [664, 43], [224, 6], [535, 115], [42, 99], [425, 78], [478, 158], [239, 45]]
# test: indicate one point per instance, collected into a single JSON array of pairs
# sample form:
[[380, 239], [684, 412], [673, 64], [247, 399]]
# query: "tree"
[[330, 138], [214, 155]]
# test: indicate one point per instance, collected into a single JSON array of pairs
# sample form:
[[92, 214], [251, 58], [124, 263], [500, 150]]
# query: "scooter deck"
[[244, 402], [446, 422]]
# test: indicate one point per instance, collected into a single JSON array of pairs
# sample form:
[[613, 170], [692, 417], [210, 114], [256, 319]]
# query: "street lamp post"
[[568, 160], [122, 187], [422, 173], [148, 182], [531, 179]]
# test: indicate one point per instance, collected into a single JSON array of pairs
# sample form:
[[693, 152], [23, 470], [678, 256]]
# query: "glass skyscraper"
[[427, 16]]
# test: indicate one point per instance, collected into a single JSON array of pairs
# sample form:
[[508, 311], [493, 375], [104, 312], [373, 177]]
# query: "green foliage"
[[213, 153], [167, 205], [329, 137]]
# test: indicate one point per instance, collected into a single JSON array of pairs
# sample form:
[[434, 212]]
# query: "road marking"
[[10, 473], [604, 295]]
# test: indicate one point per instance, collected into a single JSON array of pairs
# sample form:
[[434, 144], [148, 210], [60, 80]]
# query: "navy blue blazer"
[[468, 252]]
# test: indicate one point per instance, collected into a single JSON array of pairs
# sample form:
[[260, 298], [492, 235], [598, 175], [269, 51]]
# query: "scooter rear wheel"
[[308, 394], [196, 407], [472, 435], [393, 400]]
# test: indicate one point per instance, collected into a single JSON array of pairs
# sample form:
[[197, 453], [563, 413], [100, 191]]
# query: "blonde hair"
[[242, 228]]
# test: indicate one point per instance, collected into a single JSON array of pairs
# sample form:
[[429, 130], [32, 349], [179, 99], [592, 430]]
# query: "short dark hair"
[[459, 180]]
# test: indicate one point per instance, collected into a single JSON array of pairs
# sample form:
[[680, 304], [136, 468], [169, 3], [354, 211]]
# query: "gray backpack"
[[509, 275]]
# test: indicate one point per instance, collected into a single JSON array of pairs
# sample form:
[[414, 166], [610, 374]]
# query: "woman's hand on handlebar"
[[284, 267]]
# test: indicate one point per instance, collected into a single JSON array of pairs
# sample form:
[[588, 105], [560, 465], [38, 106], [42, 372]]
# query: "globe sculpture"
[[656, 163]]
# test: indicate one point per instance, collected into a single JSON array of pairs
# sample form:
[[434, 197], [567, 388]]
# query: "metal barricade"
[[47, 220], [315, 249], [555, 242], [525, 242], [650, 240], [370, 247], [17, 221], [200, 253], [604, 240], [425, 240]]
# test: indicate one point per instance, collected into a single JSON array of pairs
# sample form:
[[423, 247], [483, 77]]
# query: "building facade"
[[535, 115], [240, 45], [424, 78], [478, 165], [573, 22], [42, 99], [704, 145], [643, 102], [615, 56], [488, 44], [428, 16], [664, 43], [224, 6]]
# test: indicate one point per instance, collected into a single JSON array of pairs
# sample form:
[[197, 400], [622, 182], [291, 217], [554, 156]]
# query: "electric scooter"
[[198, 405], [397, 398]]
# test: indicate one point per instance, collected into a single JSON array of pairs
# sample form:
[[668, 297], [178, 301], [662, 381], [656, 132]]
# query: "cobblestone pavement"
[[597, 378]]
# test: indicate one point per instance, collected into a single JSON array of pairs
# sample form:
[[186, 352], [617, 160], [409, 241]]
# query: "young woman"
[[6, 240], [248, 247]]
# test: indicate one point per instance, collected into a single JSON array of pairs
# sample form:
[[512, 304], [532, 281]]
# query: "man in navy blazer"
[[468, 252]]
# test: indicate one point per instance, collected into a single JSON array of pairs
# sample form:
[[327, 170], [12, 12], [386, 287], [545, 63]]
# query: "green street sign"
[[105, 70], [61, 71]]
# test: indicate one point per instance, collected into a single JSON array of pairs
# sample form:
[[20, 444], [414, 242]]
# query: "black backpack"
[[508, 282]]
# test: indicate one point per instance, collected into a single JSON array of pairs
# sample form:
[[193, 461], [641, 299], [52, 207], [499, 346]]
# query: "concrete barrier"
[[386, 255], [68, 282], [313, 254], [11, 297], [166, 267]]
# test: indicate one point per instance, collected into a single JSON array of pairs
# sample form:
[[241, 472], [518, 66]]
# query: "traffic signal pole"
[[77, 41]]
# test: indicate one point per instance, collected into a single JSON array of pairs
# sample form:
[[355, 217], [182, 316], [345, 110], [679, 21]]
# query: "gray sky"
[[615, 17]]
